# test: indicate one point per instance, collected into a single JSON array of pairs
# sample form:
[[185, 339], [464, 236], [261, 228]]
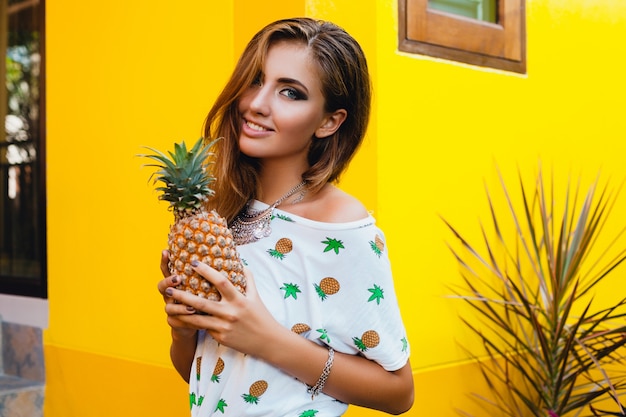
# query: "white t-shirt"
[[329, 282]]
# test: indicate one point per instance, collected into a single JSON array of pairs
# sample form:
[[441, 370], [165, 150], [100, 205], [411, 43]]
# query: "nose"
[[260, 100]]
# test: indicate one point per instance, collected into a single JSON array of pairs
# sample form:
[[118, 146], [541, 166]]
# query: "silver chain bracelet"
[[319, 385]]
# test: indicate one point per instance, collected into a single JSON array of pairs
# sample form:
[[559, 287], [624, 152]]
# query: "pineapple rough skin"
[[204, 237], [197, 235]]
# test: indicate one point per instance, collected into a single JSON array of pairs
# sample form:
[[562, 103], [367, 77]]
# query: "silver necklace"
[[251, 225]]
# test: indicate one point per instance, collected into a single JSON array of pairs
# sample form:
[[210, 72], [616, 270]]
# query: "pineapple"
[[283, 247], [368, 340], [327, 286], [333, 245], [256, 390], [198, 367], [291, 290], [219, 368], [197, 234], [300, 328], [377, 294], [377, 245], [221, 405]]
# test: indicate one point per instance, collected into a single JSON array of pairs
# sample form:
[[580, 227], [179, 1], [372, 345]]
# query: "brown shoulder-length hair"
[[345, 85]]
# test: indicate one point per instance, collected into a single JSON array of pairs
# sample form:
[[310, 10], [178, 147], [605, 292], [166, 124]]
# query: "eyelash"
[[289, 92], [292, 94]]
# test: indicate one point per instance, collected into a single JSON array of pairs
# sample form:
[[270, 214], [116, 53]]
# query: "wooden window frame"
[[11, 284], [435, 33]]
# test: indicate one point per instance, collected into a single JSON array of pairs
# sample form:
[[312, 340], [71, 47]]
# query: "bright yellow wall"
[[126, 74], [442, 128], [121, 75]]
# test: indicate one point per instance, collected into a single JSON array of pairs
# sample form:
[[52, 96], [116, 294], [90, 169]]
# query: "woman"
[[319, 327]]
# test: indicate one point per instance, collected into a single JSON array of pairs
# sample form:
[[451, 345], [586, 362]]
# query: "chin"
[[249, 147]]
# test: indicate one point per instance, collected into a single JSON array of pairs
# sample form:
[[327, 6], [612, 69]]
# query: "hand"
[[174, 310], [241, 322]]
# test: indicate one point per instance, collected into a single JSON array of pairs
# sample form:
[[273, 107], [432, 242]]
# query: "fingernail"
[[190, 309], [175, 279], [169, 291], [194, 263]]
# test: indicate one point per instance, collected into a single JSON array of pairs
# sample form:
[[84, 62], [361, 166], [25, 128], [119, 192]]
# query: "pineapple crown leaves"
[[184, 175]]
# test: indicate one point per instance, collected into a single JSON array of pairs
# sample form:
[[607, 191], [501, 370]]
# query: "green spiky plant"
[[547, 352]]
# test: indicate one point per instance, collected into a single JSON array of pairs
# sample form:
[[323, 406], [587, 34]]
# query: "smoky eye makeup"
[[293, 93], [293, 89]]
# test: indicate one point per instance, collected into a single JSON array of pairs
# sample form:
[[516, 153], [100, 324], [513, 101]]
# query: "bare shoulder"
[[332, 205]]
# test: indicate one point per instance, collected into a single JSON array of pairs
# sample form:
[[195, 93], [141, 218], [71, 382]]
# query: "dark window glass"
[[22, 181], [484, 10]]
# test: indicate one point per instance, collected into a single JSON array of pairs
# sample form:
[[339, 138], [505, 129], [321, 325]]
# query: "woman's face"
[[284, 109]]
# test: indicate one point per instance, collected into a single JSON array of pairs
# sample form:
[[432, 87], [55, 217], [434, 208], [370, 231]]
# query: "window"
[[488, 33], [22, 158]]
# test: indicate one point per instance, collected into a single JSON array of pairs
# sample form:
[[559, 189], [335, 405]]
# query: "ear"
[[331, 123]]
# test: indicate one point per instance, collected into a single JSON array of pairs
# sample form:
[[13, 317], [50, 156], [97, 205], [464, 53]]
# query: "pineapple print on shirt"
[[291, 290], [368, 340], [377, 294], [257, 389], [327, 286], [221, 405], [283, 247], [333, 245], [219, 368], [377, 245], [300, 328], [193, 398], [324, 335], [334, 287]]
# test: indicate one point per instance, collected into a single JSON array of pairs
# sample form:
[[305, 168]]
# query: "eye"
[[293, 94]]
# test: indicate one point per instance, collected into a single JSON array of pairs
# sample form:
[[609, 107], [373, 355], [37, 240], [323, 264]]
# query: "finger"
[[166, 283], [218, 279], [176, 309], [194, 321], [250, 284], [183, 323], [165, 260], [192, 300]]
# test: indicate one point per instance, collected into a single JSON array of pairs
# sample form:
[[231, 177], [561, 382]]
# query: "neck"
[[296, 190], [276, 181]]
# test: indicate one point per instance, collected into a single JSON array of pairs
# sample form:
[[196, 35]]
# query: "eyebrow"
[[286, 80]]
